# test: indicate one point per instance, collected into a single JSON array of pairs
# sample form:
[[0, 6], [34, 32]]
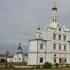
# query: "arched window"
[[19, 58], [54, 46], [65, 60], [64, 37], [41, 46], [59, 47], [65, 47], [59, 37], [54, 36], [41, 60], [60, 60], [59, 29], [54, 60], [54, 55]]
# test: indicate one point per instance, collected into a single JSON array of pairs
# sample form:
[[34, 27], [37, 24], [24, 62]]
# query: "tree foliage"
[[47, 65]]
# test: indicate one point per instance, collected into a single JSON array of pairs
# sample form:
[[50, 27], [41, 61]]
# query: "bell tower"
[[54, 16], [38, 33]]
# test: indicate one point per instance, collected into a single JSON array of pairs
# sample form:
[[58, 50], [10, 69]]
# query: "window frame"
[[59, 46], [64, 37], [41, 59], [59, 37], [54, 36], [65, 47], [59, 29], [54, 60], [19, 58], [41, 46], [54, 46]]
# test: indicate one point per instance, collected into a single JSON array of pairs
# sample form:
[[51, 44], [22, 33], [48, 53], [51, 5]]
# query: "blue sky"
[[20, 18]]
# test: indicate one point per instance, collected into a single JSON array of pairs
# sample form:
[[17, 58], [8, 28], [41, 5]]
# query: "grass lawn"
[[34, 69]]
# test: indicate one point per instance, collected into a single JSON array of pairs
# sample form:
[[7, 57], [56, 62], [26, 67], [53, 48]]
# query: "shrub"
[[19, 63], [67, 66], [47, 65], [38, 66], [24, 63], [56, 65], [10, 65]]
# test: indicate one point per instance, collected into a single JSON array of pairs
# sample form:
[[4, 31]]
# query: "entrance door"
[[61, 61]]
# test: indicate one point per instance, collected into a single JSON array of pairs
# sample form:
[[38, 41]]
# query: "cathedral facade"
[[52, 43]]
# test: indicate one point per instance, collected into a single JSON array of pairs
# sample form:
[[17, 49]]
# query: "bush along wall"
[[47, 65]]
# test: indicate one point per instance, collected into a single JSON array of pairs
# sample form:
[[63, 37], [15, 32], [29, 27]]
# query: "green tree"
[[47, 65]]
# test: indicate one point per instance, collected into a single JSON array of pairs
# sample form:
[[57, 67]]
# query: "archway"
[[3, 60]]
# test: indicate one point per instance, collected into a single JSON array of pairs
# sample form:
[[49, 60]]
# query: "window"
[[59, 47], [65, 60], [64, 37], [60, 60], [59, 37], [59, 29], [19, 58], [15, 58], [41, 60], [54, 36], [54, 46], [53, 19], [54, 60], [41, 46], [54, 55], [65, 47], [39, 35]]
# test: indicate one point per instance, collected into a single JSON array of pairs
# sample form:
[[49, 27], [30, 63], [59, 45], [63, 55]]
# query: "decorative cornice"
[[37, 40]]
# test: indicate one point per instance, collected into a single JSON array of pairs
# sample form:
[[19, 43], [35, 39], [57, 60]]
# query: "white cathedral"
[[52, 43]]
